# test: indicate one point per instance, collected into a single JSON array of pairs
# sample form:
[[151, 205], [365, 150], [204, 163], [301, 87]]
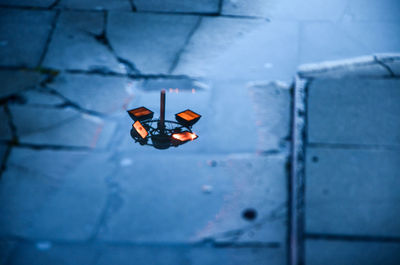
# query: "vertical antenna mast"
[[161, 124]]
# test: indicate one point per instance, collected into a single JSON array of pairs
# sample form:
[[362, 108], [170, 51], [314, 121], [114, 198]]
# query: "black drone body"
[[161, 133]]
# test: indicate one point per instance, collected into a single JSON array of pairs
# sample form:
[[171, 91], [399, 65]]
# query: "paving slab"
[[47, 253], [157, 38], [201, 6], [13, 82], [370, 10], [338, 41], [60, 126], [27, 3], [96, 4], [255, 117], [143, 255], [354, 111], [237, 256], [286, 9], [53, 194], [332, 43], [357, 253], [219, 50], [102, 94], [6, 248], [40, 97], [352, 192], [216, 191], [17, 29], [76, 44], [378, 37], [185, 255]]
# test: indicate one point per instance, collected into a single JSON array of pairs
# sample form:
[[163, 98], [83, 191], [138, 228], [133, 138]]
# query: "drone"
[[161, 133]]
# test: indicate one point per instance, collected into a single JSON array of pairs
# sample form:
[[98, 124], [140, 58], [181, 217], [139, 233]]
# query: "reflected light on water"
[[184, 136]]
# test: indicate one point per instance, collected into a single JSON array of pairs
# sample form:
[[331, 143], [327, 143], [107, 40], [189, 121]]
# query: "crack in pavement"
[[11, 124], [74, 105], [45, 84], [49, 37], [103, 39], [14, 140], [392, 74], [203, 14], [113, 204], [187, 40], [48, 70], [133, 6], [54, 4], [220, 6], [5, 159], [50, 147]]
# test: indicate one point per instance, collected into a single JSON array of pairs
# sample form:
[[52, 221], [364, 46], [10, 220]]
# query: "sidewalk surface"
[[76, 189], [352, 160]]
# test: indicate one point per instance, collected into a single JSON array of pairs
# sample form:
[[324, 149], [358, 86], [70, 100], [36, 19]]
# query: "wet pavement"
[[352, 161], [76, 189]]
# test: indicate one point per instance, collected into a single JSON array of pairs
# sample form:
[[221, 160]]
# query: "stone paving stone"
[[60, 127], [18, 28], [26, 3], [352, 192], [47, 253], [185, 255], [201, 6], [6, 247], [370, 10], [392, 61], [144, 255], [96, 4], [97, 93], [347, 39], [74, 44], [5, 130], [286, 9], [238, 256], [40, 98], [332, 43], [220, 49], [187, 198], [378, 37], [15, 81], [272, 106], [354, 111], [255, 118], [52, 194], [356, 253], [157, 39]]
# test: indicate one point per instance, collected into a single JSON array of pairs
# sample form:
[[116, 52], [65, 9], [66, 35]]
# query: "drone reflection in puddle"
[[161, 133]]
